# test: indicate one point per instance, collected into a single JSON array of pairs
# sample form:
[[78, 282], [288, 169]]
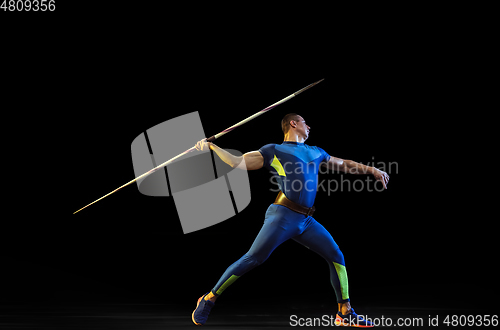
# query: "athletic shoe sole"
[[192, 315]]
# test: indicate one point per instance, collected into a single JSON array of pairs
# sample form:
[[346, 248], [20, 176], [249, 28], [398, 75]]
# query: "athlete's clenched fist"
[[203, 145]]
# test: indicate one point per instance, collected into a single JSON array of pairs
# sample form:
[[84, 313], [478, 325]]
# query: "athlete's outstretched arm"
[[253, 159], [349, 166]]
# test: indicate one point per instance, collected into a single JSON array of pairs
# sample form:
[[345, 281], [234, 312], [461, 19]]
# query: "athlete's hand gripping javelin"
[[252, 160], [203, 145]]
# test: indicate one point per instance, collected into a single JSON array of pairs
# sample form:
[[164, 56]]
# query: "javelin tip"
[[317, 82], [307, 87]]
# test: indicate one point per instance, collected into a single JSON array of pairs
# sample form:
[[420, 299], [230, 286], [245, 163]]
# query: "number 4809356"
[[28, 5]]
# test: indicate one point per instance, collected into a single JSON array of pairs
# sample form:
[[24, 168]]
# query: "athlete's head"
[[294, 124]]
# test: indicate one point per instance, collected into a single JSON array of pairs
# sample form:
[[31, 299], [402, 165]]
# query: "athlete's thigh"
[[277, 229], [318, 239]]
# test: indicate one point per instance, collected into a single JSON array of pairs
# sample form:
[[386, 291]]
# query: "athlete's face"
[[302, 128]]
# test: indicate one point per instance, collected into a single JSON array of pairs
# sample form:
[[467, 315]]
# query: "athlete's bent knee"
[[337, 256], [252, 261]]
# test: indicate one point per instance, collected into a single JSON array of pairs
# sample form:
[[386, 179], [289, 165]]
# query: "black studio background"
[[110, 78]]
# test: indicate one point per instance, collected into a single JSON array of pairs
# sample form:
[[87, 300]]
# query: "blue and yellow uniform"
[[295, 166]]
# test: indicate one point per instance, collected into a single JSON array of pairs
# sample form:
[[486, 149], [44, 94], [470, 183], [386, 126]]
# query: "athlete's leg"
[[280, 225], [318, 239]]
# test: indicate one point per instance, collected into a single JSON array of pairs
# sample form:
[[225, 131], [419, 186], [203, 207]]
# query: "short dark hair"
[[285, 122]]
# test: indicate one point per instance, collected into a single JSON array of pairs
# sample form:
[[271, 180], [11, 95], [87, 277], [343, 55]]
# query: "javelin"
[[210, 139]]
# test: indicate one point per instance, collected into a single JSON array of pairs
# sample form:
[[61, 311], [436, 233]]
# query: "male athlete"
[[295, 166]]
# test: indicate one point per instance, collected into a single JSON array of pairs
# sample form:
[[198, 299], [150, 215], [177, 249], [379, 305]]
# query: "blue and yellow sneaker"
[[352, 320], [203, 307]]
